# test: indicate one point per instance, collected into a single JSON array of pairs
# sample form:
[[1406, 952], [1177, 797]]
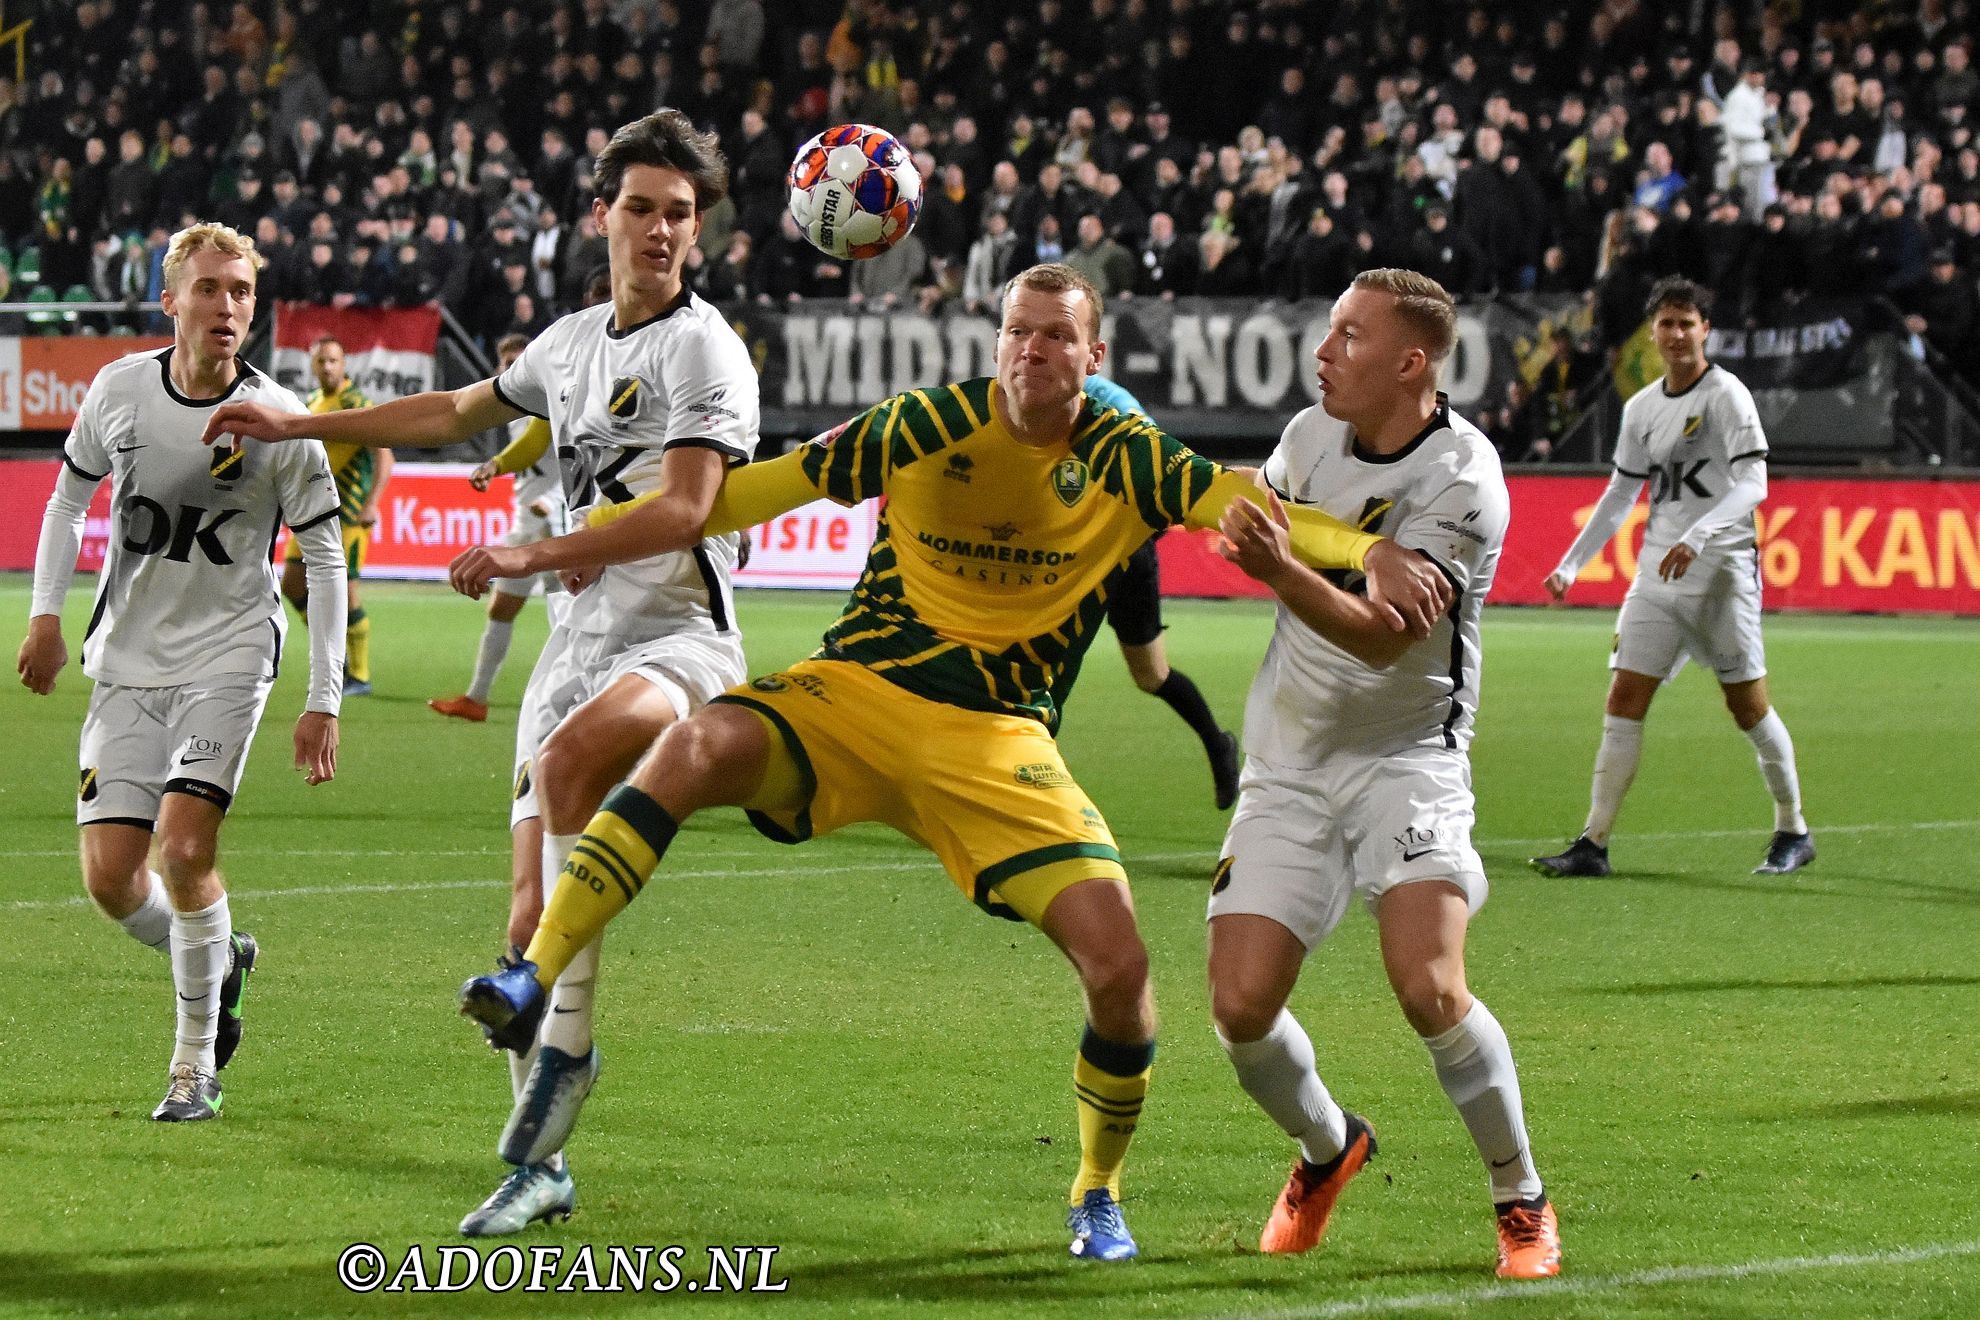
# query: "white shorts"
[[139, 744], [575, 667], [1719, 627], [1302, 842], [529, 527]]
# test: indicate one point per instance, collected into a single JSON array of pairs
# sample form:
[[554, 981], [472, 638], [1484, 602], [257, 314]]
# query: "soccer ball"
[[854, 192]]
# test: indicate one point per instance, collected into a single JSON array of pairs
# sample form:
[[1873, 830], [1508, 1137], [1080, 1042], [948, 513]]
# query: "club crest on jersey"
[[522, 781], [623, 401], [226, 464], [1692, 423], [1069, 481], [87, 789], [1220, 879]]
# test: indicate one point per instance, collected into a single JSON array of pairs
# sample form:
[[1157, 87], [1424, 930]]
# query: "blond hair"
[[1057, 277], [1422, 303], [197, 238]]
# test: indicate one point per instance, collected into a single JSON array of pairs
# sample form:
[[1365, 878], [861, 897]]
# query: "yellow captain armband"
[[525, 449], [1318, 540], [749, 495]]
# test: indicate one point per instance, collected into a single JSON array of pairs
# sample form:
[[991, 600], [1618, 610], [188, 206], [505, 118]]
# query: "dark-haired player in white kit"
[[1695, 437], [1357, 775], [186, 635], [649, 391]]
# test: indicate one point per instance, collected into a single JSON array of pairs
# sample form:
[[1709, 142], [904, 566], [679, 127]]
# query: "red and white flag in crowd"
[[388, 351]]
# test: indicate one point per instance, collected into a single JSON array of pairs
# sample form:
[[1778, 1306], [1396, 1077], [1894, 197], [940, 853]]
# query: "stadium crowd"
[[403, 152]]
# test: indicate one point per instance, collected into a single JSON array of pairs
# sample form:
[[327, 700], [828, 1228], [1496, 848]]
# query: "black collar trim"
[[1440, 418], [686, 297], [1679, 394], [241, 373]]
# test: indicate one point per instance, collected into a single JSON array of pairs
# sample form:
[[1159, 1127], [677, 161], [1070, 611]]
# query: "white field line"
[[1465, 1298], [767, 872]]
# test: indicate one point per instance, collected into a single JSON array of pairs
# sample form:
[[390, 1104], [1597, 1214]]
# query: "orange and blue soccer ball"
[[854, 192]]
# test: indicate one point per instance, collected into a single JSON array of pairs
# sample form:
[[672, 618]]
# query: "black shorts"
[[1136, 609]]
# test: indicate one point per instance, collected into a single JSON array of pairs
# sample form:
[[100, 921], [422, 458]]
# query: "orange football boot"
[[1529, 1240], [461, 708], [1300, 1215]]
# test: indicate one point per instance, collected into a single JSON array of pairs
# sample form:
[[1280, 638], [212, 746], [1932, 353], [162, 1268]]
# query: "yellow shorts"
[[987, 794], [357, 540]]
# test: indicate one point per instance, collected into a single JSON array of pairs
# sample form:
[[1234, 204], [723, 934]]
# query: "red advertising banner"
[[42, 380], [1835, 546], [428, 515]]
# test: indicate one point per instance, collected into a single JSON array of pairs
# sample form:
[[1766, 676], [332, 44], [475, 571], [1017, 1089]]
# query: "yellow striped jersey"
[[994, 560], [355, 467]]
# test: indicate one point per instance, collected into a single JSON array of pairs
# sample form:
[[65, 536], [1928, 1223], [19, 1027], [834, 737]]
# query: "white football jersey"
[[1685, 446], [617, 400], [1442, 495], [188, 586]]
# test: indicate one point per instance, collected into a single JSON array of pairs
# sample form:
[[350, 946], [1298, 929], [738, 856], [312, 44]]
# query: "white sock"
[[567, 1022], [556, 849], [488, 658], [1277, 1071], [1776, 752], [151, 924], [200, 953], [1475, 1065], [1615, 767], [519, 1065]]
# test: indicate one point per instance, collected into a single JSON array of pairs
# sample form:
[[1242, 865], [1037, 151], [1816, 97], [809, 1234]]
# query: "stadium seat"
[[74, 321], [43, 321], [27, 266]]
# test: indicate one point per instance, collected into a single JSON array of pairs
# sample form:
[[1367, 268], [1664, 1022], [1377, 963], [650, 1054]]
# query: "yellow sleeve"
[[525, 449], [1319, 540], [752, 494]]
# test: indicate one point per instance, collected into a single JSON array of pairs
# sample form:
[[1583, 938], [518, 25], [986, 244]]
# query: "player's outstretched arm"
[[1407, 592], [419, 421], [43, 654], [316, 746], [1604, 521], [689, 504], [1256, 541]]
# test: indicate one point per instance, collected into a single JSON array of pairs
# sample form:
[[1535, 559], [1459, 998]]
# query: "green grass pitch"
[[1750, 1096]]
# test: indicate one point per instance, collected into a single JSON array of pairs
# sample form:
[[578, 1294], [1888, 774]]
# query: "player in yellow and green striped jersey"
[[361, 475], [1012, 505]]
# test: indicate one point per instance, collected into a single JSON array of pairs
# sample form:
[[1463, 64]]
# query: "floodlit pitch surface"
[[1749, 1095]]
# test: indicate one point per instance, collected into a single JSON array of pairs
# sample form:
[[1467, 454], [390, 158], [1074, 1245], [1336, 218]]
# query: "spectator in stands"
[[728, 279], [1446, 254], [989, 266], [1324, 260], [1225, 267], [1107, 265]]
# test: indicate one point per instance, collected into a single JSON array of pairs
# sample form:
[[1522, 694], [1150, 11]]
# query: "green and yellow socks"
[[1110, 1080], [607, 868]]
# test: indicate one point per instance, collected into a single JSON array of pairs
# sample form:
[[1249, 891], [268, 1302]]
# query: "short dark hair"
[[669, 139], [1677, 291]]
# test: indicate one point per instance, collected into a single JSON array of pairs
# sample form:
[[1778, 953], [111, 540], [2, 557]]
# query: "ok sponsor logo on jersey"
[[1671, 481], [151, 529]]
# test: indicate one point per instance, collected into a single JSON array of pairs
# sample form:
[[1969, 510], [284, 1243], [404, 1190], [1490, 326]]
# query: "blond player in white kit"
[[186, 636], [1357, 775], [1694, 436]]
